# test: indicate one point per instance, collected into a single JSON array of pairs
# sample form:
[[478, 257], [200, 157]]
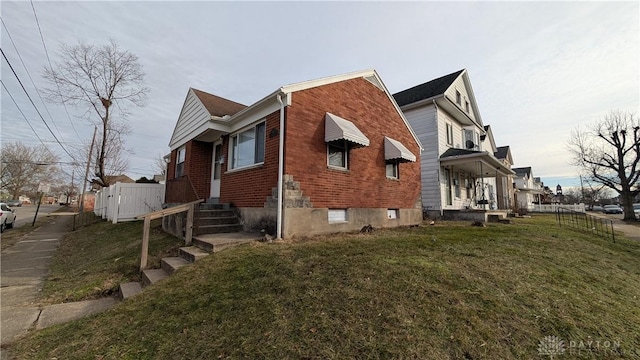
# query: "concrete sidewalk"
[[23, 269]]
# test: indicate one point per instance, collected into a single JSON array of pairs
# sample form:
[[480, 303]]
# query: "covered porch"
[[474, 182]]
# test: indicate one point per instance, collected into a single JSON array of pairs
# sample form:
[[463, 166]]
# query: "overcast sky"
[[538, 69]]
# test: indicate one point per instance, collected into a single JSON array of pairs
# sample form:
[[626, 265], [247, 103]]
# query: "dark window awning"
[[393, 149], [337, 128]]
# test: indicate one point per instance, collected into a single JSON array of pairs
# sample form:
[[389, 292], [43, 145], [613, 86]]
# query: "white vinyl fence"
[[552, 208], [124, 201]]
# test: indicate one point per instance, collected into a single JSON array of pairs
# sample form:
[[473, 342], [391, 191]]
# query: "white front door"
[[216, 169]]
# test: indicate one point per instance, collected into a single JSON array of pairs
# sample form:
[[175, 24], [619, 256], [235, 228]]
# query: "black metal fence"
[[84, 219], [583, 221]]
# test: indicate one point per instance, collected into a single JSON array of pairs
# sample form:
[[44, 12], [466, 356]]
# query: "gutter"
[[280, 167]]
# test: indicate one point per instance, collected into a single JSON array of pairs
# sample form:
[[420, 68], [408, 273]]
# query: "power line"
[[51, 67], [29, 75], [34, 105], [25, 117]]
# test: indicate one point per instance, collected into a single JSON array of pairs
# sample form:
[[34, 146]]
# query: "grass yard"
[[449, 291], [92, 261]]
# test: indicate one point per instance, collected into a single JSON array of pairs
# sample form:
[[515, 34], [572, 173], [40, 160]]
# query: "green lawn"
[[449, 291]]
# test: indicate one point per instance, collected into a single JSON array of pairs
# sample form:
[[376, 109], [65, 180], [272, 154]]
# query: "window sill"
[[338, 222], [247, 167], [393, 178], [336, 168]]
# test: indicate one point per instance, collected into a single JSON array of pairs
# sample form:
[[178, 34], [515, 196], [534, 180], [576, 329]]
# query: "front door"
[[216, 169]]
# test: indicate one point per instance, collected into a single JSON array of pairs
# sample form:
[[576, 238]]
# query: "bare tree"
[[24, 167], [609, 152], [96, 78], [160, 165]]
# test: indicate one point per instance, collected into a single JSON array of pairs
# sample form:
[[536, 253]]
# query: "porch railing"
[[188, 207], [180, 190]]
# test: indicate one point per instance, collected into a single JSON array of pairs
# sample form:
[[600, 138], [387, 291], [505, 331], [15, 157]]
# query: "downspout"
[[280, 168], [438, 179]]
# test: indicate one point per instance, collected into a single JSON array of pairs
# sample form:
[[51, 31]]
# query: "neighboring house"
[[506, 192], [339, 147], [529, 190], [112, 179], [459, 168]]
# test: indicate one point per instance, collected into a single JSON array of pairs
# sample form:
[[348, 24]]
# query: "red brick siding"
[[365, 185], [251, 187], [171, 167], [197, 166]]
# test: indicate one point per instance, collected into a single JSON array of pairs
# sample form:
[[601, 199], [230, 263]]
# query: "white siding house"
[[458, 166]]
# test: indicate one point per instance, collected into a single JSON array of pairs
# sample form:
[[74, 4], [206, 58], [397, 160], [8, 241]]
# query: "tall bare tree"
[[609, 152], [96, 78], [23, 167]]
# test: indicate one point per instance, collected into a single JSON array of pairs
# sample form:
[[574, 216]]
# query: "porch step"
[[130, 289], [152, 276], [218, 229], [215, 243], [214, 206], [192, 253], [215, 213], [222, 220], [171, 264]]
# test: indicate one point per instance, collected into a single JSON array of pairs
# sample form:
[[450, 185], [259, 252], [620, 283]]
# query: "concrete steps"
[[214, 218], [204, 245]]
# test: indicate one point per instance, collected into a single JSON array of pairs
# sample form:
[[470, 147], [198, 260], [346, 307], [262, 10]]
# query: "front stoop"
[[213, 243], [204, 245]]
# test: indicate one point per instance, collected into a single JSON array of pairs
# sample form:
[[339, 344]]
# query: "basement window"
[[393, 214], [337, 215]]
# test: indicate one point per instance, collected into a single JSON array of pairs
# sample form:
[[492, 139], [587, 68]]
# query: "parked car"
[[14, 203], [597, 208], [636, 210], [7, 217], [612, 209]]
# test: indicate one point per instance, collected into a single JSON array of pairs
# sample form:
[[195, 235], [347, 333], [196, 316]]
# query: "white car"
[[636, 210], [7, 217]]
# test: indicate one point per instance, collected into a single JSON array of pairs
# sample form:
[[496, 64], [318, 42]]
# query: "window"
[[337, 215], [217, 165], [449, 134], [470, 140], [466, 106], [392, 213], [392, 169], [458, 98], [180, 158], [337, 154], [247, 147], [456, 183]]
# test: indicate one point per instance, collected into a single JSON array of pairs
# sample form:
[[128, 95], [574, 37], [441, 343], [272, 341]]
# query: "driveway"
[[632, 231]]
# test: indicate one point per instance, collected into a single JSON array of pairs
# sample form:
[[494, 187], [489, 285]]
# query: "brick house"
[[349, 157]]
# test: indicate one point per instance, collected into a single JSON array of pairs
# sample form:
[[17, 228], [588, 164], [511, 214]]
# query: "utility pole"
[[86, 171]]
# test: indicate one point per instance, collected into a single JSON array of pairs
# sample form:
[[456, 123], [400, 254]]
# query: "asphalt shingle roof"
[[522, 171], [457, 152], [427, 90], [502, 152], [216, 105]]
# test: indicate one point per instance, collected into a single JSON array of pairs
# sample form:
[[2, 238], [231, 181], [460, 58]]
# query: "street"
[[25, 213]]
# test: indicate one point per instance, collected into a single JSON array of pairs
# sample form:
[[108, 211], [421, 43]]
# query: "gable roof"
[[522, 171], [502, 152], [225, 116], [426, 90], [216, 105]]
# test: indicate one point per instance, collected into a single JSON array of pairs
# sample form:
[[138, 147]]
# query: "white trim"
[[246, 167]]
